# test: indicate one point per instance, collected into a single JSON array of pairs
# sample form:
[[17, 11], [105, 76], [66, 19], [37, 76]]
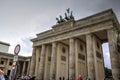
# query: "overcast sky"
[[21, 20]]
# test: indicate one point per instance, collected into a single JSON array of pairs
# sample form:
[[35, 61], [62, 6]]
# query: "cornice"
[[66, 27], [4, 43]]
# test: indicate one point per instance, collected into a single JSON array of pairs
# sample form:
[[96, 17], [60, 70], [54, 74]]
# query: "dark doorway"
[[8, 72]]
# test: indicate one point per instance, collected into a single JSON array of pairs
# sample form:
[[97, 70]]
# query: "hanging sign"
[[17, 49]]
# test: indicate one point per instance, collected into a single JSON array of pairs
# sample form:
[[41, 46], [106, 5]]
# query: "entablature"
[[100, 21]]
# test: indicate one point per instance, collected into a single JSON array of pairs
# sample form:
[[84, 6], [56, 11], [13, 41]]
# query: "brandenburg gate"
[[74, 48]]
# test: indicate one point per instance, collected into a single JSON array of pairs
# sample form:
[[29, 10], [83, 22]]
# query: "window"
[[81, 47], [2, 62], [49, 58], [63, 50], [98, 55], [10, 63], [80, 56], [98, 45], [63, 58], [118, 48], [39, 59]]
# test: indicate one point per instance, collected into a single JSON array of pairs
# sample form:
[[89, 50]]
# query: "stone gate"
[[74, 48]]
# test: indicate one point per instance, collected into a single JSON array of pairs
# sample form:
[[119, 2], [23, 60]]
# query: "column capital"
[[54, 44]]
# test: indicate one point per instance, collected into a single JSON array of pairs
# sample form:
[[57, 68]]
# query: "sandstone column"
[[72, 59], [23, 70], [28, 67], [37, 62], [7, 66], [32, 65], [90, 56], [53, 62], [114, 55], [42, 62]]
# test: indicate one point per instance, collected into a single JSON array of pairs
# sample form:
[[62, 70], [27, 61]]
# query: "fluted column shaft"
[[114, 55], [32, 65], [90, 56], [7, 65], [28, 67], [72, 59], [24, 64], [53, 62], [42, 62], [37, 62]]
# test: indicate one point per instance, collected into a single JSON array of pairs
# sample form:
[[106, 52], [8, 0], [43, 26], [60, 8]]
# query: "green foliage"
[[108, 72]]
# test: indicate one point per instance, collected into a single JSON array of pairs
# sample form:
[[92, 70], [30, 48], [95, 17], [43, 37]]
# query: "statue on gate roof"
[[68, 16]]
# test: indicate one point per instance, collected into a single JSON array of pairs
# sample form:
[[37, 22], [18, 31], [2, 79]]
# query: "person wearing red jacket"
[[79, 78]]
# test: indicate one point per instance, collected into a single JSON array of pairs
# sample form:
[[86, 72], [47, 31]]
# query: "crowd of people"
[[23, 77], [26, 77], [80, 78], [29, 77], [87, 78]]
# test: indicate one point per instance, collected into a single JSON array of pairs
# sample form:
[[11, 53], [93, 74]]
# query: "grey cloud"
[[26, 47]]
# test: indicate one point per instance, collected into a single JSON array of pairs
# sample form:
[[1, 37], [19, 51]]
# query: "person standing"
[[79, 78], [1, 75], [59, 78]]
